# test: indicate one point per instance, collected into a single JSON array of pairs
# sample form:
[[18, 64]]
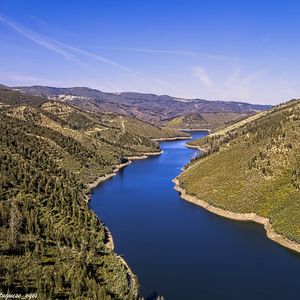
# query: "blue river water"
[[182, 251]]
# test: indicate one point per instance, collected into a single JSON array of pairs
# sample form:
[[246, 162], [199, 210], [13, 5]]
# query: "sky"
[[218, 50]]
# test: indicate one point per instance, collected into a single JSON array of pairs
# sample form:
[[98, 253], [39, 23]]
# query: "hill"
[[157, 109], [52, 244], [251, 171], [206, 120]]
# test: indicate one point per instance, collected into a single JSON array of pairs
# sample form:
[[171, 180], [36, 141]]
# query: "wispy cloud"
[[100, 58], [170, 52], [74, 53], [134, 73], [241, 84], [202, 75], [37, 20], [288, 87], [37, 38], [21, 78]]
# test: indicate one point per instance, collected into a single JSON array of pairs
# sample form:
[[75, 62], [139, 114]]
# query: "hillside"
[[51, 242], [206, 120], [157, 109], [252, 167]]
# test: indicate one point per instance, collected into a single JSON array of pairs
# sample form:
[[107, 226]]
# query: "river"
[[179, 249]]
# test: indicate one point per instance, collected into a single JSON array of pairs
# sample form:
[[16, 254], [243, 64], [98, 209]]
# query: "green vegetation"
[[205, 120], [149, 107], [52, 244], [253, 166]]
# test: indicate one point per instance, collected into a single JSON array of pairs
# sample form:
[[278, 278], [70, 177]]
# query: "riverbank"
[[195, 147], [107, 176], [133, 282], [132, 158], [119, 167], [109, 241], [244, 217], [144, 155], [132, 279], [191, 130], [172, 138]]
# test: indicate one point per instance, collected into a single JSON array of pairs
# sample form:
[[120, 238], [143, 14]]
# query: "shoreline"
[[195, 147], [132, 278], [109, 238], [243, 217], [118, 167], [197, 129], [109, 243], [144, 155], [175, 138], [102, 178]]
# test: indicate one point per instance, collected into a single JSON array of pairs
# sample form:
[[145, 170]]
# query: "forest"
[[52, 244]]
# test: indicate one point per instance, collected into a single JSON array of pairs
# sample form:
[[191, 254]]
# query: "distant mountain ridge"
[[147, 107]]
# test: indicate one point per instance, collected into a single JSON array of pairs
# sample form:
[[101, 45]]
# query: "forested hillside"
[[52, 244], [157, 109], [253, 166]]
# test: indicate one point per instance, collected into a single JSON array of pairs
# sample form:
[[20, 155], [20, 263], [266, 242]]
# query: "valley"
[[149, 150], [55, 154], [157, 109], [51, 154]]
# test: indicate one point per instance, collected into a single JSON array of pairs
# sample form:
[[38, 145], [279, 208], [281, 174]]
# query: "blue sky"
[[228, 50]]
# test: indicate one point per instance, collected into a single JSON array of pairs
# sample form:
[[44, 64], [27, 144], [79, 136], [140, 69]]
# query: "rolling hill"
[[207, 120], [251, 171], [51, 153], [157, 109]]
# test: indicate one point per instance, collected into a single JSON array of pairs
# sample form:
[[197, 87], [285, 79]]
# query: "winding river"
[[182, 251]]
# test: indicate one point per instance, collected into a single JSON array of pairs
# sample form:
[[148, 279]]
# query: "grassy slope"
[[209, 120], [135, 126], [51, 243], [253, 166]]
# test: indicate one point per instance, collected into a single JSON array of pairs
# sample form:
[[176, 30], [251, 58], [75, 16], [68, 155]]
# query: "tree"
[[15, 223]]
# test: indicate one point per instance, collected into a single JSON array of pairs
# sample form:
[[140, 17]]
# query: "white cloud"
[[38, 39], [21, 78], [170, 52], [202, 75], [75, 54], [242, 86]]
